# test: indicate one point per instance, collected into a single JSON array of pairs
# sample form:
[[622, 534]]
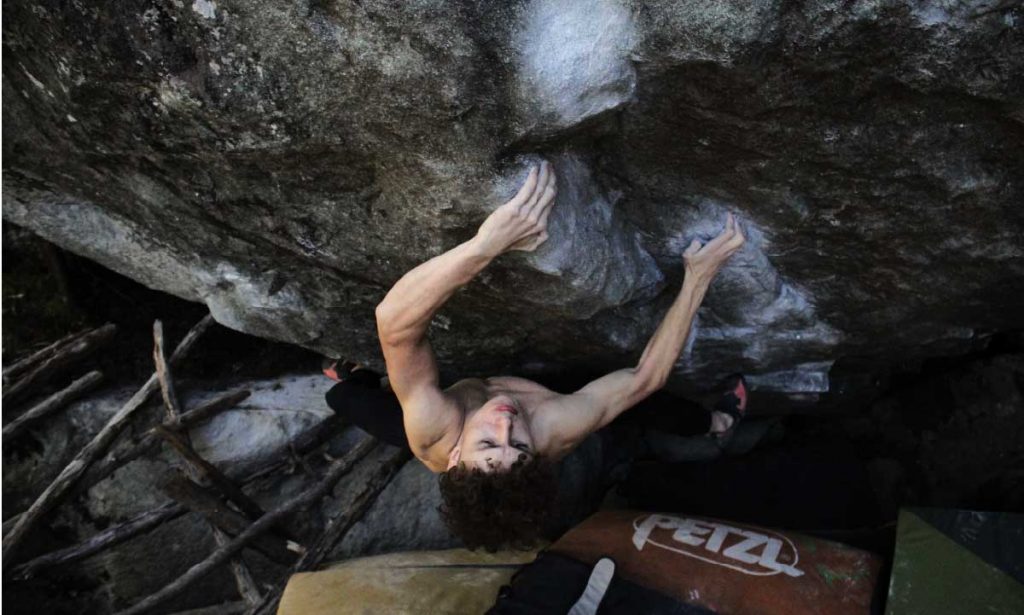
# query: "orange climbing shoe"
[[734, 404], [336, 369]]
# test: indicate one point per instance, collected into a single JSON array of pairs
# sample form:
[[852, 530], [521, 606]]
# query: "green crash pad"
[[955, 562]]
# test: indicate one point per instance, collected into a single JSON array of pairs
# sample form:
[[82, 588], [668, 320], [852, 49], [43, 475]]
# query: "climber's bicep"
[[428, 412]]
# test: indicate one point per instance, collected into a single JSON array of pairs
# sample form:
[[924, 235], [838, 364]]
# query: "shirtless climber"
[[493, 440]]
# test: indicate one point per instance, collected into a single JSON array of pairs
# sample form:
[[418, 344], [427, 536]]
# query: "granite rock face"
[[286, 162], [259, 429]]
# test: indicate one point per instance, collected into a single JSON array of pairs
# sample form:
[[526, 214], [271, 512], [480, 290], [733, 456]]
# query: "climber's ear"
[[454, 456]]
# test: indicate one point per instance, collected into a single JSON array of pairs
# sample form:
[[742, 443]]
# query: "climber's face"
[[494, 437]]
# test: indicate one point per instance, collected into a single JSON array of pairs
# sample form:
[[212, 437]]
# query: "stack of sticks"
[[236, 520]]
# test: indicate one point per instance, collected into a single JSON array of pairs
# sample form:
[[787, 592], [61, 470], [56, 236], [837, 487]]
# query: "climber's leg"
[[359, 400]]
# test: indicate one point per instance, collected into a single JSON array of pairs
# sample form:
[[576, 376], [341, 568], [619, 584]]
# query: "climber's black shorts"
[[360, 401]]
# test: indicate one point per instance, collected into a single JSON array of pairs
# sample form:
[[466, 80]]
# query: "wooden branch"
[[199, 468], [106, 467], [246, 585], [50, 405], [340, 525], [9, 523], [28, 362], [53, 494], [163, 374], [56, 364], [343, 522], [200, 500], [193, 417], [112, 536], [149, 441], [314, 493], [208, 471], [316, 436]]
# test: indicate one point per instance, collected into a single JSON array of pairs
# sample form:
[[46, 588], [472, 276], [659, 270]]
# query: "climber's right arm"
[[405, 313], [402, 320]]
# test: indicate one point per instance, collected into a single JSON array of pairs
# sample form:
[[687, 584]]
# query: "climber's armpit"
[[568, 419]]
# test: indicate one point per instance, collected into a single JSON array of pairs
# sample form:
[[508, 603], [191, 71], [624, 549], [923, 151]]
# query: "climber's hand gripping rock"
[[521, 223], [703, 263]]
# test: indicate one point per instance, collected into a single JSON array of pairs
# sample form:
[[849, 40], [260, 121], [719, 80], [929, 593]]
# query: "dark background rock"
[[285, 162]]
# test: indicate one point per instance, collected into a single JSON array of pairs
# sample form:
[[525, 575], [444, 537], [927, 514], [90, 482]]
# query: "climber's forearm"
[[658, 359], [570, 418], [405, 313]]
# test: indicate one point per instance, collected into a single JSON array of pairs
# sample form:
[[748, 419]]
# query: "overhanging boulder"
[[286, 162]]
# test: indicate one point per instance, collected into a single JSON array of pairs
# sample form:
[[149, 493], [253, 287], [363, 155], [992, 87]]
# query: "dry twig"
[[55, 364], [42, 354], [148, 442], [51, 404], [339, 526], [314, 493], [53, 494], [210, 506], [244, 581], [110, 537], [201, 468], [119, 533]]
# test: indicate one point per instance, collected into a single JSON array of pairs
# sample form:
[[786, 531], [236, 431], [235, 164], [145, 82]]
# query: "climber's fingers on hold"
[[526, 190], [538, 189], [546, 213], [737, 240], [721, 239], [544, 203]]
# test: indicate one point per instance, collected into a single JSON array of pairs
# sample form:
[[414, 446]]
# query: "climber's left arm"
[[567, 419]]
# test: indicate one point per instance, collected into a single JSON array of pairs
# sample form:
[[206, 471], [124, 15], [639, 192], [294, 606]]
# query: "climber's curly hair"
[[499, 509]]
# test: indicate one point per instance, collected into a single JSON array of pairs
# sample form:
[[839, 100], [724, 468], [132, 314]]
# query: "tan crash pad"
[[453, 581]]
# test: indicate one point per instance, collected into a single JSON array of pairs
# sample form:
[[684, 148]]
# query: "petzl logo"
[[740, 549]]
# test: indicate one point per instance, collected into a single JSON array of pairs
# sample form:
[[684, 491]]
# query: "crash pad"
[[725, 566], [454, 581], [950, 562]]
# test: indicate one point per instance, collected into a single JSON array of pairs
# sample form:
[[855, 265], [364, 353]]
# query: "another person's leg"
[[359, 400]]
